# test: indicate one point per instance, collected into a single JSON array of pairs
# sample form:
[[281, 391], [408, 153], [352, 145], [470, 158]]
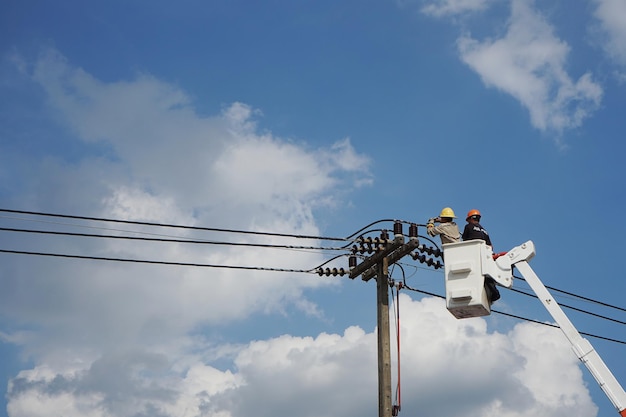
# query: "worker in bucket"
[[473, 231], [447, 229]]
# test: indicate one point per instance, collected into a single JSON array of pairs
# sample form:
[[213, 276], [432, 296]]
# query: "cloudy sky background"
[[308, 118]]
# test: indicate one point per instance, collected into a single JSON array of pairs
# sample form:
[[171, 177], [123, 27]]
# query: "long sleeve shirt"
[[475, 231], [448, 232]]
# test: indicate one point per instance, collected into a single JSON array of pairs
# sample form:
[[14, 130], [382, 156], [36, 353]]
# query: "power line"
[[258, 268], [144, 261], [523, 318], [84, 226], [292, 247], [579, 296], [209, 229], [235, 231], [368, 226], [580, 310], [151, 239]]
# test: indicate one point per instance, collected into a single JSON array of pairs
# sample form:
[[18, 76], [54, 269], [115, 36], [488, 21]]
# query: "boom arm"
[[468, 264], [582, 348]]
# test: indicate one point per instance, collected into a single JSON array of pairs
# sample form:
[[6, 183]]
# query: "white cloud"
[[164, 163], [527, 372], [440, 8], [529, 63], [612, 17]]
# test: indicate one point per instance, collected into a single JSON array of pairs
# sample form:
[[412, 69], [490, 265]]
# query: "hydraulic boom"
[[468, 263]]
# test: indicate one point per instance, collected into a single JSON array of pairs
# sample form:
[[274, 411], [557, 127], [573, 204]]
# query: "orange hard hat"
[[472, 212]]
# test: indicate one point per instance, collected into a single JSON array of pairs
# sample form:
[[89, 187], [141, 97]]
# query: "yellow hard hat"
[[447, 212]]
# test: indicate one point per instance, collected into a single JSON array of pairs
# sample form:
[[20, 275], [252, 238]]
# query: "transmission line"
[[522, 318], [258, 268], [404, 284], [580, 310], [145, 261], [177, 226], [579, 296], [351, 238], [152, 239]]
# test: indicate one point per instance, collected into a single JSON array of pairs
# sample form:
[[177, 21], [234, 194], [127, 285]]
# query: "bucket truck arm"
[[469, 263], [519, 257]]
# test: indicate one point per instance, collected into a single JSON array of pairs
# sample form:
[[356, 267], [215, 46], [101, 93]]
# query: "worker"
[[473, 231], [447, 229]]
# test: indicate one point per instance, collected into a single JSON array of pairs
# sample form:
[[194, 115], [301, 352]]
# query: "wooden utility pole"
[[384, 347], [378, 265]]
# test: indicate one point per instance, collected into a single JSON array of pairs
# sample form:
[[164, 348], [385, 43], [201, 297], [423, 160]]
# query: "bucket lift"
[[467, 264]]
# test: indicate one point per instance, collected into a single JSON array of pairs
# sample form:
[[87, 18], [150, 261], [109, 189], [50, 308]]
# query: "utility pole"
[[378, 265], [384, 347]]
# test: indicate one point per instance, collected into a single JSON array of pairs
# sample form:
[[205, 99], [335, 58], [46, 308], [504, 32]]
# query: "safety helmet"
[[472, 212], [447, 212]]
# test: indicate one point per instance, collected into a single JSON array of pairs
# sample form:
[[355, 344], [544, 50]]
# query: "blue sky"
[[313, 118]]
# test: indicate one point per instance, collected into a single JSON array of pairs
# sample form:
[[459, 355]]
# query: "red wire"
[[398, 342]]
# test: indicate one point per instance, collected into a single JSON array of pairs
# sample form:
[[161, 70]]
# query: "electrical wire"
[[210, 229], [569, 306], [430, 240], [350, 239], [398, 406], [145, 261], [294, 247], [580, 310], [396, 305], [562, 305], [368, 226], [170, 240], [83, 226], [258, 268], [280, 247], [209, 242], [524, 318], [578, 296], [518, 317], [329, 261]]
